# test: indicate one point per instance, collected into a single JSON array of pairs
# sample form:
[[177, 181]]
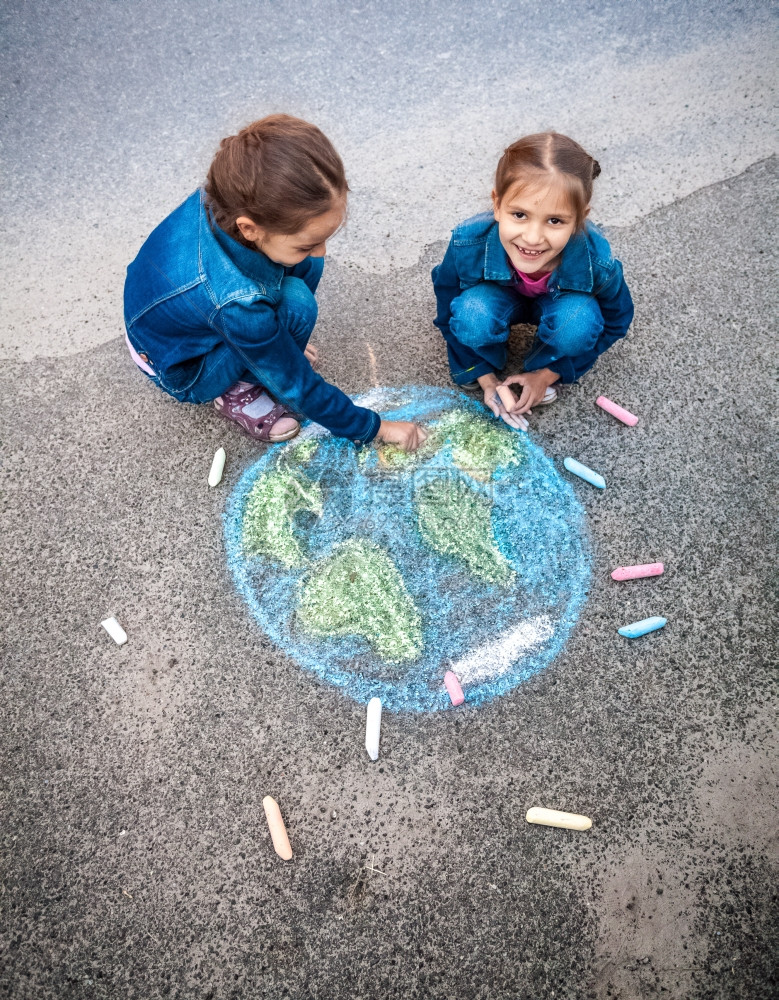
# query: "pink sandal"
[[254, 411]]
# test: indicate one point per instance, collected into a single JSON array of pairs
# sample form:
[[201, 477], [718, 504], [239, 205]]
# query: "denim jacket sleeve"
[[446, 285], [616, 305], [249, 326]]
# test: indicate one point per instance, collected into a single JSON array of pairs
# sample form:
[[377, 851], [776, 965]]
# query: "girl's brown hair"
[[527, 160], [280, 172]]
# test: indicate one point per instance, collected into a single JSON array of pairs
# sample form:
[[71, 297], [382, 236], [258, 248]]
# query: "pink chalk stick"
[[617, 411], [636, 572], [453, 687]]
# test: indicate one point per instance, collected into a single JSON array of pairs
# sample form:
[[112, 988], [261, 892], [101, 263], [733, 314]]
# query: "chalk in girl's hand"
[[373, 728], [584, 473], [515, 420], [115, 630], [637, 572], [551, 817], [454, 688], [641, 628], [217, 468], [278, 832], [506, 396], [617, 411]]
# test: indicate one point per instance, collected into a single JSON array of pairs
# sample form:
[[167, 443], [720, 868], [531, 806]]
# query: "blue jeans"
[[570, 326], [222, 367]]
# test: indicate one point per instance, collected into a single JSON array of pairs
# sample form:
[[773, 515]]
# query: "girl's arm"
[[250, 329], [616, 306], [446, 284], [464, 364]]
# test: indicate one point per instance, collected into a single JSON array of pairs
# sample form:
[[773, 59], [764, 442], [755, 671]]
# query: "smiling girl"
[[534, 259], [219, 303]]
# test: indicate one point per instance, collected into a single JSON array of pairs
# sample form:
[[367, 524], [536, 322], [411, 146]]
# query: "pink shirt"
[[531, 287]]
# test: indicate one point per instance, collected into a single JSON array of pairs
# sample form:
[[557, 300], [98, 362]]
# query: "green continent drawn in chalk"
[[358, 591], [456, 521], [478, 445], [298, 453], [271, 507]]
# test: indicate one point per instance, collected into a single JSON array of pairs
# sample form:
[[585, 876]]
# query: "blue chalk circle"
[[641, 628], [378, 571], [583, 472]]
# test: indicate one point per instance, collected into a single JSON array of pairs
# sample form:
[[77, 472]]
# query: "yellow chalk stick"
[[278, 831], [551, 817]]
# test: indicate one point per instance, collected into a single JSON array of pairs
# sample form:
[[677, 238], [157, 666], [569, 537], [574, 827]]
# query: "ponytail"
[[279, 171]]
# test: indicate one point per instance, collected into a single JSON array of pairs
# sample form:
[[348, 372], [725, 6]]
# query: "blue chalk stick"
[[641, 628], [584, 473]]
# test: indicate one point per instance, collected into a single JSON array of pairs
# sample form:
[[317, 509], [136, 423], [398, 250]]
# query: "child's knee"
[[575, 325], [298, 309], [479, 317]]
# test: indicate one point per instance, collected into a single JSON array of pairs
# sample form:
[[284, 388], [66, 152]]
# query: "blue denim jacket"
[[476, 254], [192, 287]]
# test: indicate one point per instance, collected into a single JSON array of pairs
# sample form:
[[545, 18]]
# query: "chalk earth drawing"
[[379, 571]]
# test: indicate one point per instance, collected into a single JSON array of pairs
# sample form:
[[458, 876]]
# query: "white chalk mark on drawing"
[[496, 658]]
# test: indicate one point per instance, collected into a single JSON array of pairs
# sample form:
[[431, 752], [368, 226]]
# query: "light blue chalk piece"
[[641, 628], [584, 473]]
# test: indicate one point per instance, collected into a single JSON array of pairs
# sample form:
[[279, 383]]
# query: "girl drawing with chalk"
[[534, 259], [219, 303]]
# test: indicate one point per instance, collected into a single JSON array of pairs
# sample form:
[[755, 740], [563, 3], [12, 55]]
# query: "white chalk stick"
[[373, 728], [115, 630], [217, 468], [278, 832], [551, 817]]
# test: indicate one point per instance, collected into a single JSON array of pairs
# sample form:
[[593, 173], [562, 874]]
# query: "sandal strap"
[[265, 424], [249, 395], [260, 428]]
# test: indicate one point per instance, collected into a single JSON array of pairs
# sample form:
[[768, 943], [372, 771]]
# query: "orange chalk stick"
[[278, 831]]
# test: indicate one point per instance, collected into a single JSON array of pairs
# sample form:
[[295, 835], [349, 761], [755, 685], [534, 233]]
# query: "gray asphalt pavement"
[[136, 860]]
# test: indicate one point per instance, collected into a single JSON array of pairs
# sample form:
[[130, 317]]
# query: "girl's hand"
[[311, 354], [534, 385], [492, 401], [402, 433]]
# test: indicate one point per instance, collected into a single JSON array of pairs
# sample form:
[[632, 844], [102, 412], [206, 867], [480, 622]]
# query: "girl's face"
[[534, 223], [289, 249]]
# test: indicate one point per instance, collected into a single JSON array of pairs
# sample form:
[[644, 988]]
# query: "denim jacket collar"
[[574, 271], [253, 263], [497, 266]]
